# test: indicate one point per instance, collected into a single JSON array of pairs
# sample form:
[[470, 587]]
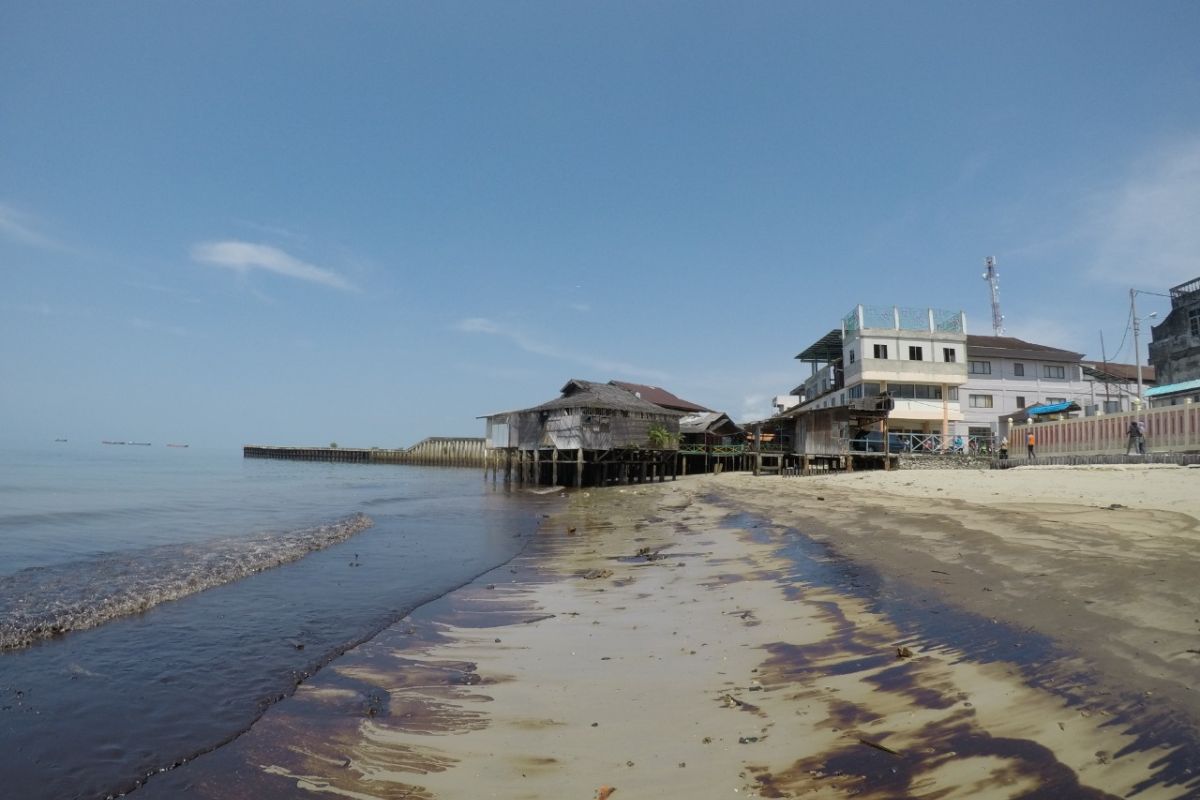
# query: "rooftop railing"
[[930, 320]]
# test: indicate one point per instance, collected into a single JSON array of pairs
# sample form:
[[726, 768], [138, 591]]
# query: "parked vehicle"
[[872, 442]]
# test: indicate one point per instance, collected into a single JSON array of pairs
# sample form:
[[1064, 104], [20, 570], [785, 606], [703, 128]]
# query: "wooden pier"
[[435, 451]]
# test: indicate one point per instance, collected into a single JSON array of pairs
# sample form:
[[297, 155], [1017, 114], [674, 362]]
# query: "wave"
[[43, 602]]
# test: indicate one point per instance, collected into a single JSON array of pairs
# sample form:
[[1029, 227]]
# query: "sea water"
[[155, 601]]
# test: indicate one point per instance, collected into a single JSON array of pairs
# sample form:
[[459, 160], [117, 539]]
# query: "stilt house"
[[594, 433]]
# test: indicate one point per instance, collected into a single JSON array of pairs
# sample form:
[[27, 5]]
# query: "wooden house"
[[710, 441], [593, 433]]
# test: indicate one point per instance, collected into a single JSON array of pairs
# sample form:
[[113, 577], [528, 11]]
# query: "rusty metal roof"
[[659, 396]]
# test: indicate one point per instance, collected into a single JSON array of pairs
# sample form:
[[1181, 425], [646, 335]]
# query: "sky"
[[299, 222]]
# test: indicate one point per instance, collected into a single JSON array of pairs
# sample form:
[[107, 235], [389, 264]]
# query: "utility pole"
[[1137, 351], [993, 279], [1107, 385]]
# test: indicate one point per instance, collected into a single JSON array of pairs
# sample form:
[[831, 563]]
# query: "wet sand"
[[915, 634]]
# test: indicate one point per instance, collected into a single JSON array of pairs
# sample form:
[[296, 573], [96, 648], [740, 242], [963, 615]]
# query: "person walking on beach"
[[1030, 441], [1141, 437], [1137, 438], [1004, 449]]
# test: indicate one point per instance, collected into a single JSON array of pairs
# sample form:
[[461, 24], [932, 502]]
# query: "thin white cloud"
[[245, 256], [1147, 229], [538, 347], [22, 228]]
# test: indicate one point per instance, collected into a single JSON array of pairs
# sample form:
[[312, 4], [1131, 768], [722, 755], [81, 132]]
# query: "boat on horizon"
[[177, 445], [60, 440], [136, 444]]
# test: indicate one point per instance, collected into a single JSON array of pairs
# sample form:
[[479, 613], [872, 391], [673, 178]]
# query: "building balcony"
[[885, 370]]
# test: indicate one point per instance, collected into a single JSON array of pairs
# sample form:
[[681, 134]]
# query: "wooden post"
[[537, 466], [554, 467], [579, 468], [887, 447]]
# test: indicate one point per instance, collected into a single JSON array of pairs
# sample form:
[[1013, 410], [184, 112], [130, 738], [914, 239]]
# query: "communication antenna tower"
[[993, 279]]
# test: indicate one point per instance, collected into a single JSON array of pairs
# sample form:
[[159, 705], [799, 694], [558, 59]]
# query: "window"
[[851, 356], [1019, 370], [914, 354], [870, 390], [953, 395], [881, 351], [1194, 321], [1049, 371], [979, 367], [1112, 406], [856, 392], [1020, 401], [981, 401], [1056, 399], [949, 355]]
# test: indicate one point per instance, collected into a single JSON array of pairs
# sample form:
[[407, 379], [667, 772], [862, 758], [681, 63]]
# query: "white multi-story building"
[[915, 355], [1005, 375]]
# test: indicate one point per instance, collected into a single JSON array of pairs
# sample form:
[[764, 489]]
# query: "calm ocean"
[[154, 601]]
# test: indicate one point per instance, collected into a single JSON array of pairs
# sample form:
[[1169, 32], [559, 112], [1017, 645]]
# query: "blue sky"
[[368, 222]]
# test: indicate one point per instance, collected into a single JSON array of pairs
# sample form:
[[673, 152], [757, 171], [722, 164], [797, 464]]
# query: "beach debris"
[[878, 746], [706, 740], [732, 702], [296, 643], [755, 686], [747, 739], [594, 574], [940, 571], [904, 652], [604, 792], [1113, 507], [570, 531], [464, 678], [820, 498], [491, 586]]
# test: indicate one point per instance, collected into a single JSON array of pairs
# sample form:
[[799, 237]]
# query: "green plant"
[[659, 436], [333, 445]]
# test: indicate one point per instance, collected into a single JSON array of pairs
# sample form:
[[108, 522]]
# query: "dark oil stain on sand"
[[868, 771]]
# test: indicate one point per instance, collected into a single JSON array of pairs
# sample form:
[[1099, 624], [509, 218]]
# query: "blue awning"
[[1052, 408]]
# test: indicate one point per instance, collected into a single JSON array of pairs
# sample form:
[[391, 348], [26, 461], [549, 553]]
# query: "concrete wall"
[[1174, 349]]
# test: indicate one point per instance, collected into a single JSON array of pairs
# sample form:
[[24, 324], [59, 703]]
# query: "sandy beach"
[[1026, 633]]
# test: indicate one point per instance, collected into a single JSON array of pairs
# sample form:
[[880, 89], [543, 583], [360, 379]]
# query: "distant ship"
[[137, 444], [105, 441], [177, 445], [60, 440]]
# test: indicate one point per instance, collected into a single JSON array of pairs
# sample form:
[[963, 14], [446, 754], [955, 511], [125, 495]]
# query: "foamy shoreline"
[[718, 668]]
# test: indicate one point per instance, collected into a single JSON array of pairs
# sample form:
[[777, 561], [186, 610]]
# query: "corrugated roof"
[[659, 396], [705, 422], [1052, 408], [824, 350], [590, 394], [1119, 373], [1012, 347], [1173, 388]]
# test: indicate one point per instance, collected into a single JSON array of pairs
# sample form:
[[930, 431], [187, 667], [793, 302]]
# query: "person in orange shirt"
[[1030, 441]]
